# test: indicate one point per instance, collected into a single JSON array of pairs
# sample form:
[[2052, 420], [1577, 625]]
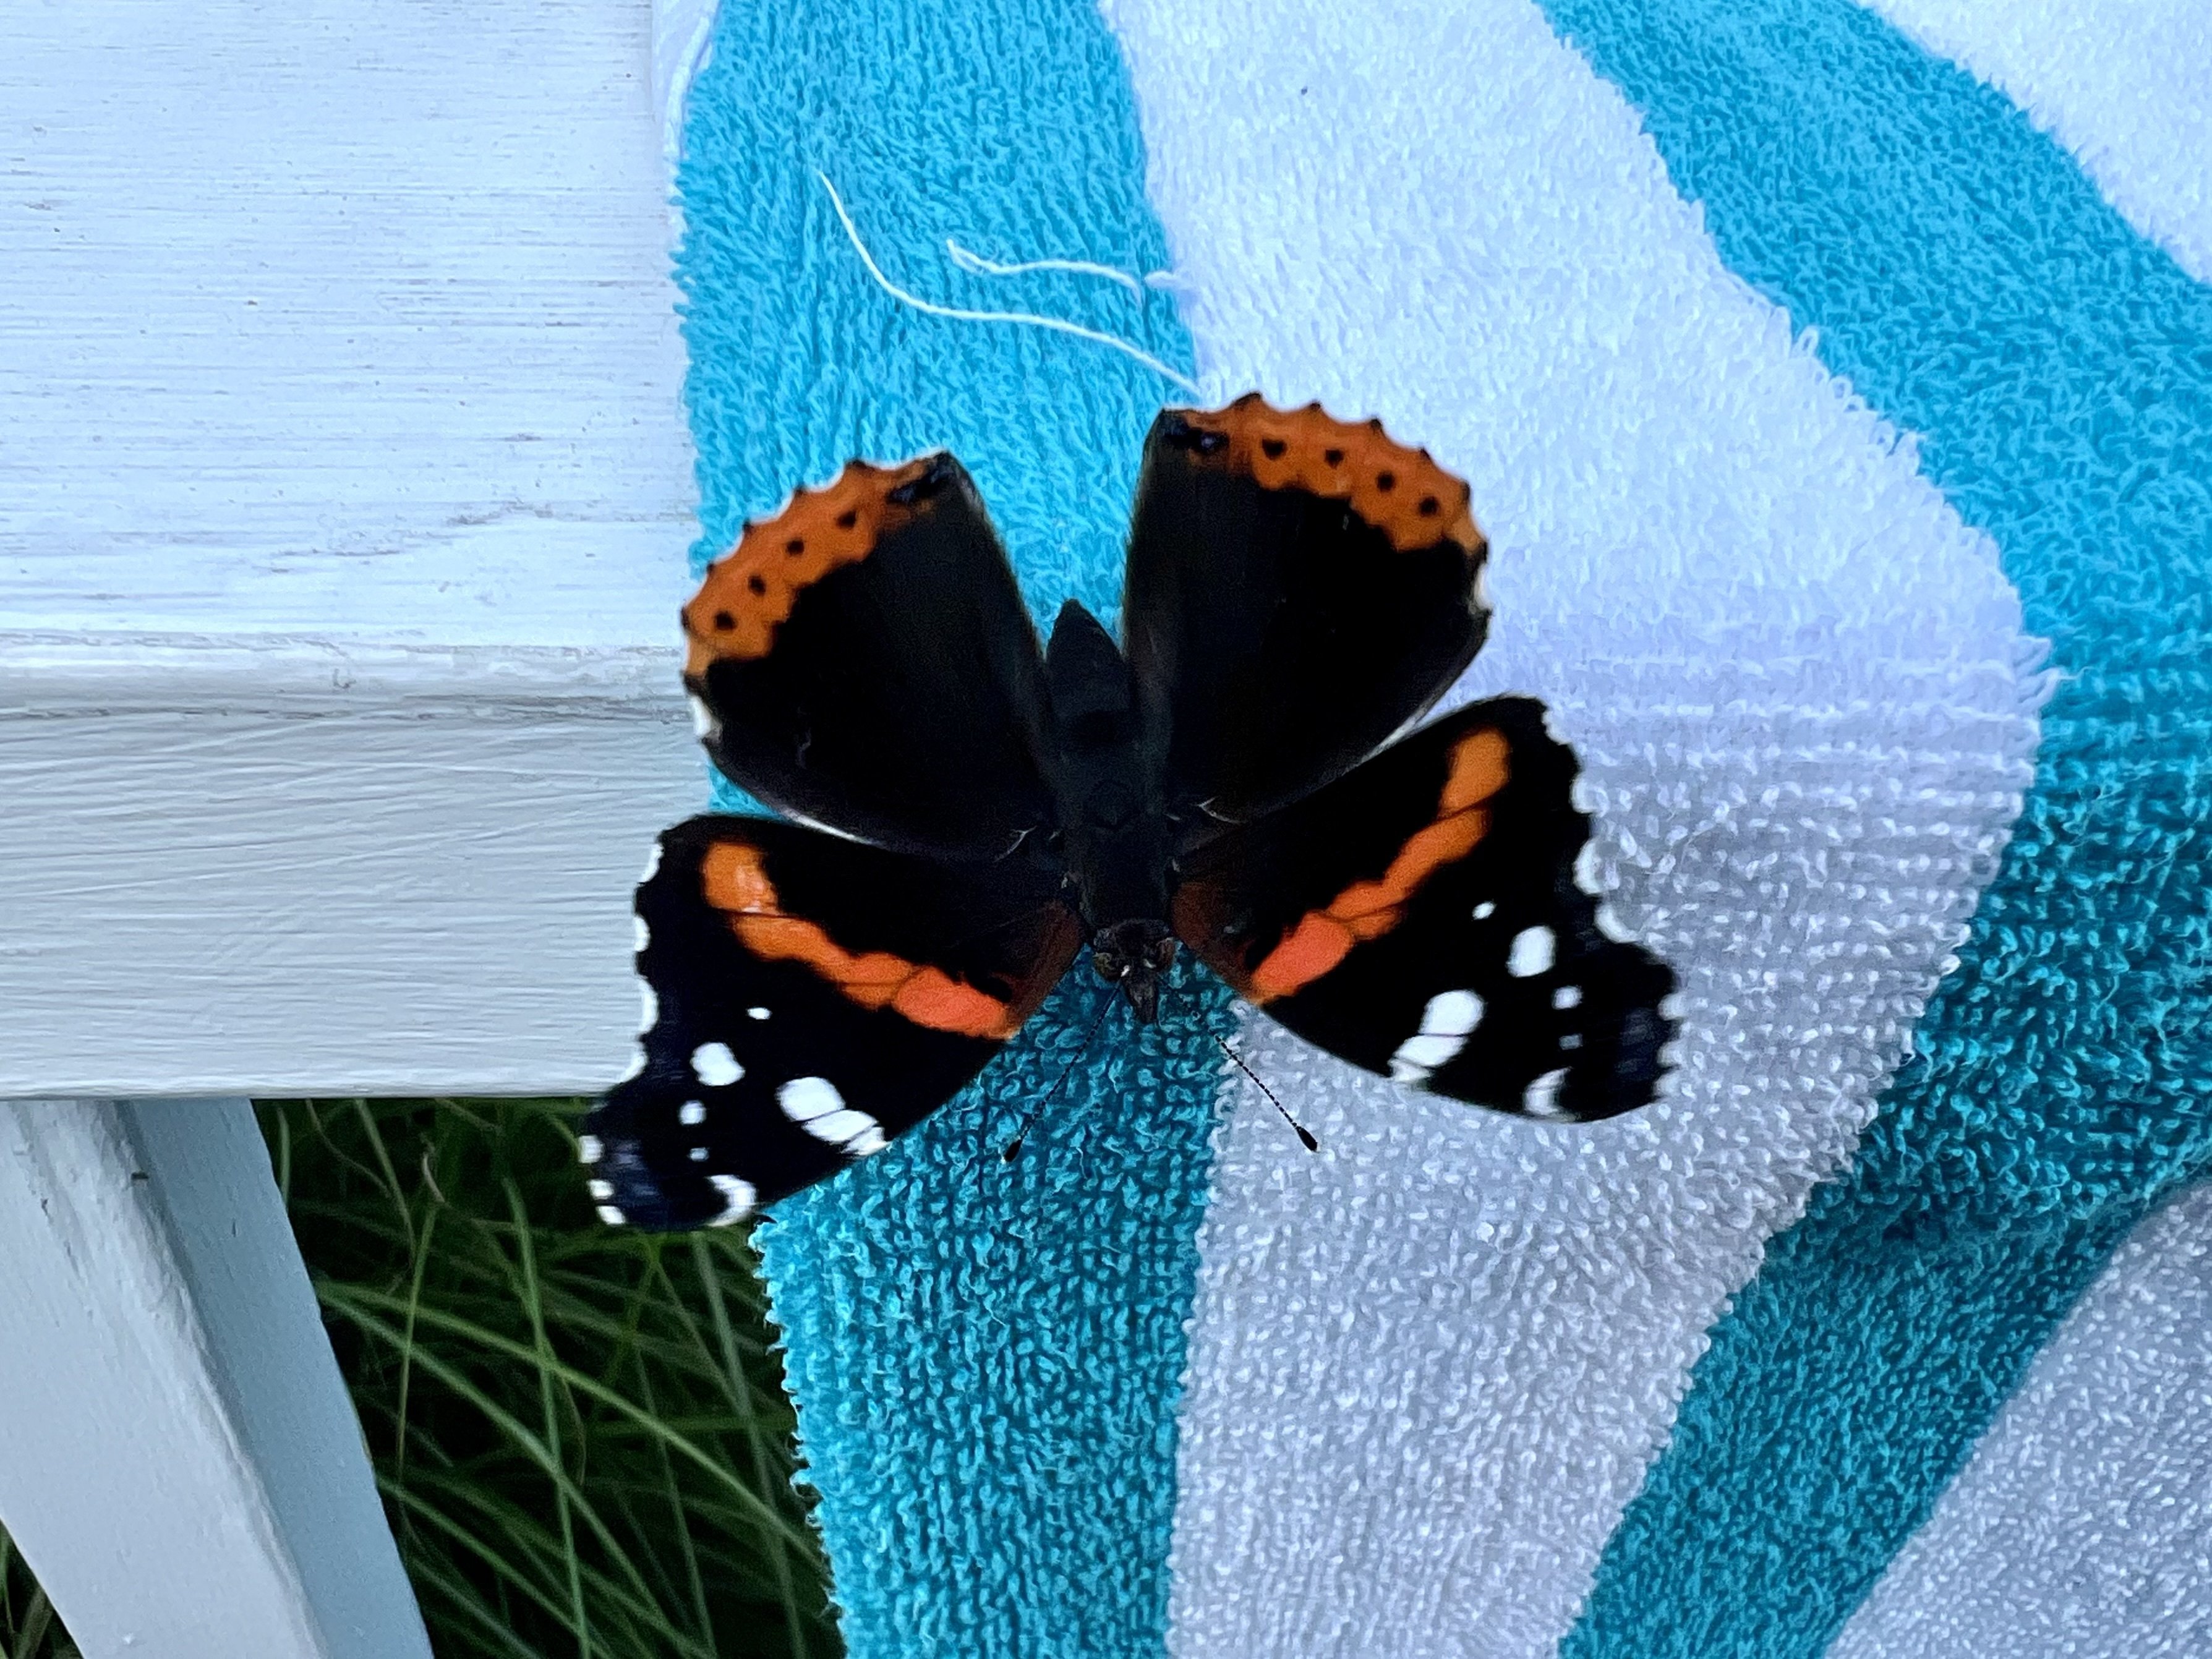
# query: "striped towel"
[[1836, 390]]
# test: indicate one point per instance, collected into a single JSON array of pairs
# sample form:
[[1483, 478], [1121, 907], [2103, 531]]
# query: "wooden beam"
[[342, 513]]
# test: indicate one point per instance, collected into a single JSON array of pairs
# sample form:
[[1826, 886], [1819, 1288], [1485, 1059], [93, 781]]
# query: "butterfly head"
[[1135, 956]]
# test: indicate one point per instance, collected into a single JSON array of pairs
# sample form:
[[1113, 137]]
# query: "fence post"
[[180, 1463]]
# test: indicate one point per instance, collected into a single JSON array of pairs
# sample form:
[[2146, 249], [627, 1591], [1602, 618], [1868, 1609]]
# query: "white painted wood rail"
[[343, 492]]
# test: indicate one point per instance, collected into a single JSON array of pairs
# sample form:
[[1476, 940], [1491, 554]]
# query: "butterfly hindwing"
[[863, 660], [1423, 917], [1298, 589], [807, 1000]]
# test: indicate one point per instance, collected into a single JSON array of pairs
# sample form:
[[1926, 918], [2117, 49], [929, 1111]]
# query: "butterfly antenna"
[[1013, 1147], [1305, 1135]]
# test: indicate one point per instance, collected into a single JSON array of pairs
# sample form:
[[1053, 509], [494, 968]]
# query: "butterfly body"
[[1113, 838], [1298, 591]]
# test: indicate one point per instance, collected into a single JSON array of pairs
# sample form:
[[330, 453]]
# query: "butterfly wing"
[[863, 661], [1422, 917], [1298, 589], [807, 1000]]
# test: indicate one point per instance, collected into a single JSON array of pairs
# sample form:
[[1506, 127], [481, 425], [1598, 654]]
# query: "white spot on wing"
[[1417, 1056], [652, 863], [698, 1154], [1532, 952], [736, 1199], [1567, 996], [1446, 1022], [840, 1128], [1483, 911], [639, 935], [1453, 1014], [648, 1008], [589, 1149], [715, 1065], [1542, 1098], [1587, 876], [755, 1013], [805, 1098], [612, 1216], [600, 1189], [814, 1104], [691, 1112], [703, 723]]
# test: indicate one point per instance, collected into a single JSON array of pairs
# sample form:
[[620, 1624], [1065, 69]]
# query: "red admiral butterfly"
[[1297, 590]]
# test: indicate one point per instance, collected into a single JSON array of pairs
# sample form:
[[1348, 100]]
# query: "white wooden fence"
[[343, 491]]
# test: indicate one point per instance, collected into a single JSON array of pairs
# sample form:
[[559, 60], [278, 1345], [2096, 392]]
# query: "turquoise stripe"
[[986, 1360], [1968, 280]]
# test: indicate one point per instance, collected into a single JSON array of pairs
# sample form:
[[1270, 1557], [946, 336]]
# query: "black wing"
[[1422, 917], [863, 660], [807, 1000], [1298, 589]]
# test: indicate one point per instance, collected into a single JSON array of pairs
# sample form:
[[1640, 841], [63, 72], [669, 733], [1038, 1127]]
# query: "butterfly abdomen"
[[1114, 836]]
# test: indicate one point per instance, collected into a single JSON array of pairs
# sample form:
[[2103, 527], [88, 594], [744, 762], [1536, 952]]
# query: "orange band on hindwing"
[[735, 882], [1320, 939]]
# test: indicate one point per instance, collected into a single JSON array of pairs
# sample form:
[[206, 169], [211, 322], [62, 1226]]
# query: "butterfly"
[[963, 815]]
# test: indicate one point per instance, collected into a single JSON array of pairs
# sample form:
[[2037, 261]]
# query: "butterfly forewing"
[[1298, 589], [863, 661], [1422, 917], [808, 999]]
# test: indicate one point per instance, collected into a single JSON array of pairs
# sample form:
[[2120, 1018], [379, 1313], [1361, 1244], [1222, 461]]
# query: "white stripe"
[[1429, 1366], [683, 31], [2126, 85], [2083, 1524]]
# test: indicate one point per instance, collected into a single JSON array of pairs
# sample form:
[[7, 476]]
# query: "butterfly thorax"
[[1113, 828]]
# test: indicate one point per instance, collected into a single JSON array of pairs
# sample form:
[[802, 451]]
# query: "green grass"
[[579, 1433], [28, 1628]]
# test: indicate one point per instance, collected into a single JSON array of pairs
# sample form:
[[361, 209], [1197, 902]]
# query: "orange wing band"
[[736, 883], [1400, 492], [1321, 938], [749, 592]]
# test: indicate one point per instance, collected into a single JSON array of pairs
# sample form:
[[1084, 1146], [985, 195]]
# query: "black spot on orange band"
[[749, 592], [1400, 492]]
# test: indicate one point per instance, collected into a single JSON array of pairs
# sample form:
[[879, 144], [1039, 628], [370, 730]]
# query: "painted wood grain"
[[349, 894], [337, 318], [343, 495]]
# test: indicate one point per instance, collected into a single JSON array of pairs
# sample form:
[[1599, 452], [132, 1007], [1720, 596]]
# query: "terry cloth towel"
[[1835, 386]]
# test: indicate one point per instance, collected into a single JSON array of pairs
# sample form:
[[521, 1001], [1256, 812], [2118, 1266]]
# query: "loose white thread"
[[976, 262], [1054, 323]]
